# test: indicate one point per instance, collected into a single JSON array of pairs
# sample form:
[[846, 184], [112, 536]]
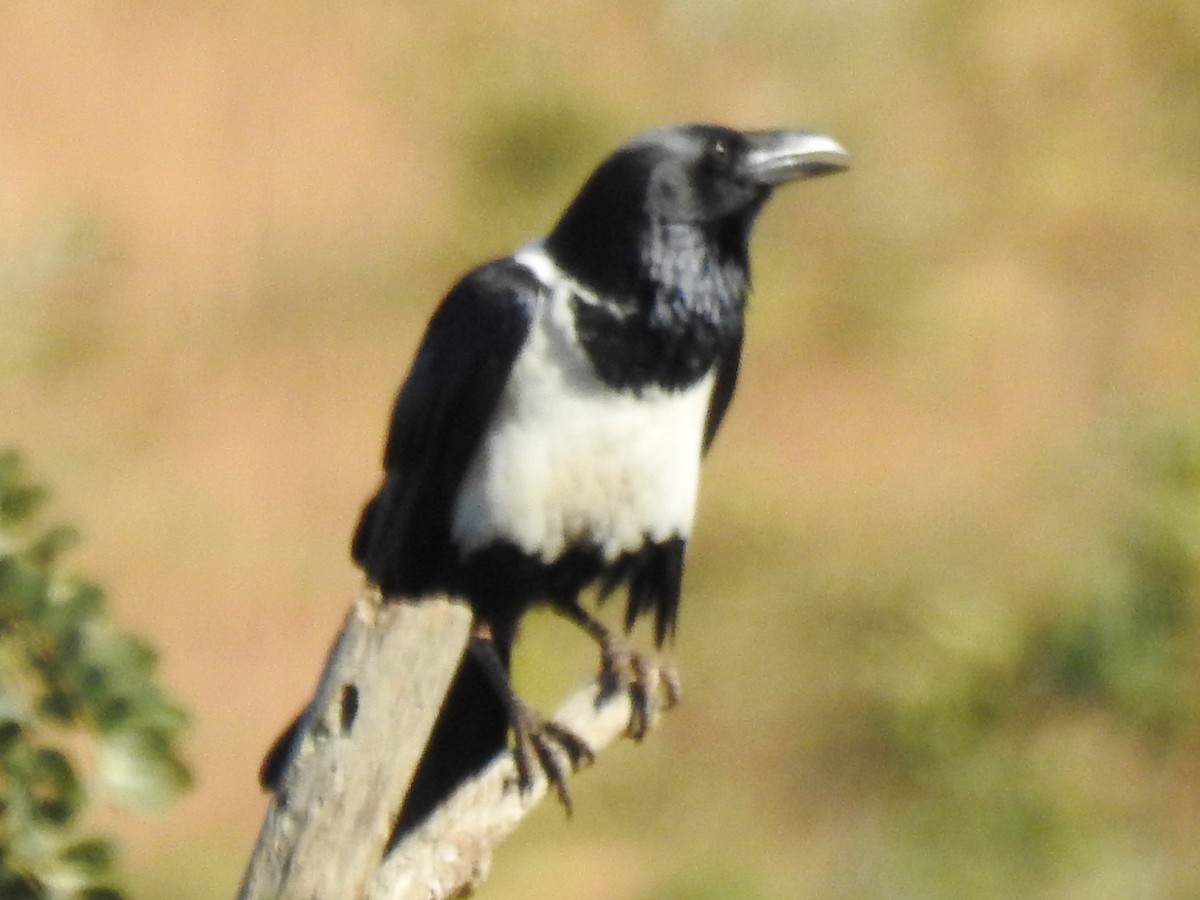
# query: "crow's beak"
[[775, 157]]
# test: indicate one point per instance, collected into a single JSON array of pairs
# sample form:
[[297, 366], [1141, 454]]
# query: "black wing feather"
[[727, 374], [440, 416]]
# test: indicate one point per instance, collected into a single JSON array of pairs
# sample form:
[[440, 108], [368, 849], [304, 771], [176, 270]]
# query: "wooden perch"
[[326, 832], [359, 745], [448, 856]]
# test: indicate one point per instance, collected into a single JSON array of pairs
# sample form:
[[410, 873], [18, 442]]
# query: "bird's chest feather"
[[568, 459]]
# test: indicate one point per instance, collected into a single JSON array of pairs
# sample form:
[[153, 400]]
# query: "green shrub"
[[82, 720]]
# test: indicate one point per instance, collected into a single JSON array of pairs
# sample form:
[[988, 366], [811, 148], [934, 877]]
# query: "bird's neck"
[[689, 274], [671, 301], [638, 261]]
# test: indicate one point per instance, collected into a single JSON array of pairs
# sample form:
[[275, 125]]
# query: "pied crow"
[[549, 434]]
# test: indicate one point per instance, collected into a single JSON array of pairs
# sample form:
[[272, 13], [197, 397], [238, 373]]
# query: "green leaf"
[[58, 706], [85, 602], [114, 714], [123, 653], [54, 788], [100, 894], [140, 769], [93, 857], [10, 734], [46, 549], [24, 592], [15, 887], [19, 502]]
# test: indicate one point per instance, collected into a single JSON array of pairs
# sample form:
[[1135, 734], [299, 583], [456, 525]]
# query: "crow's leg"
[[536, 737], [623, 667]]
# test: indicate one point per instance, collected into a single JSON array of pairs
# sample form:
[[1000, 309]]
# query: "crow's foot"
[[652, 685], [546, 745], [540, 743]]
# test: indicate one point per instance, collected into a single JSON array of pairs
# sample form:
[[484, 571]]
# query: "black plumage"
[[549, 433]]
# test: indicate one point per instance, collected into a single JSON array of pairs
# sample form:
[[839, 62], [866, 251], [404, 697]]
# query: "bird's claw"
[[651, 685], [546, 745]]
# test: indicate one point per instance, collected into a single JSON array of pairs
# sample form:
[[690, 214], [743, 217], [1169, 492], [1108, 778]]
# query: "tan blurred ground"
[[222, 228]]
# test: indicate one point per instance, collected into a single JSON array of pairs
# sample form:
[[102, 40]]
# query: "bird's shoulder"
[[495, 294], [463, 361]]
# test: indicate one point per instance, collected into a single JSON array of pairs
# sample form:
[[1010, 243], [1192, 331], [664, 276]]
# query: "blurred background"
[[939, 635]]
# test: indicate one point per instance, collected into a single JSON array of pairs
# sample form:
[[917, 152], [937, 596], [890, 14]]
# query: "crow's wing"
[[727, 373], [440, 416]]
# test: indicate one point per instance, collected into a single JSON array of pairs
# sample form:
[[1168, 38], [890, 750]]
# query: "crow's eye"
[[721, 150]]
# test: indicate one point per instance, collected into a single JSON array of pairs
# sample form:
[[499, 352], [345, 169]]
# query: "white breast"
[[567, 459]]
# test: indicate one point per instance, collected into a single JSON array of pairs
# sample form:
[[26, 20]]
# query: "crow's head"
[[706, 173], [691, 189]]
